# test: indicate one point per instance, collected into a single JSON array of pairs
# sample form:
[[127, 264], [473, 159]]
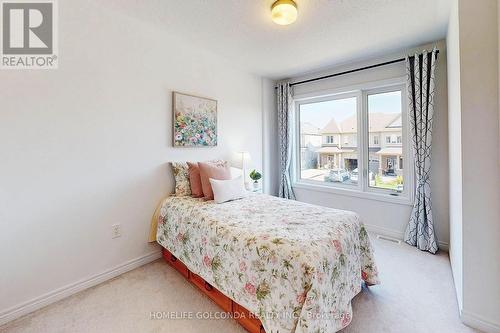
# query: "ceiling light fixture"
[[284, 12]]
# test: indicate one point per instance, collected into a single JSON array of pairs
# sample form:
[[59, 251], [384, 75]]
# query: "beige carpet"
[[417, 295]]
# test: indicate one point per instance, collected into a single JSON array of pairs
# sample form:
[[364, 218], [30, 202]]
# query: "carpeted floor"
[[416, 295]]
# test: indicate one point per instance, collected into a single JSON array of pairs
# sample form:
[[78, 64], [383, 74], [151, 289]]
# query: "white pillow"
[[236, 172], [226, 190]]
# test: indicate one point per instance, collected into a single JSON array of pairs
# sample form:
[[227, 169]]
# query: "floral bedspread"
[[296, 266]]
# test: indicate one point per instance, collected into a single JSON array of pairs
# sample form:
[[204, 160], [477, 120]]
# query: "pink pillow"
[[215, 171], [195, 180]]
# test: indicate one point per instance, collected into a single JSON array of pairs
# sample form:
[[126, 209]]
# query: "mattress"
[[296, 266]]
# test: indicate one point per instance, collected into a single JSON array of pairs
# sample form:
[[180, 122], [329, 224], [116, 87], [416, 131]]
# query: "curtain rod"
[[351, 71]]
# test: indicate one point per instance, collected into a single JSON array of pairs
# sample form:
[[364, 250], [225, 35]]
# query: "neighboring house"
[[339, 148], [310, 142]]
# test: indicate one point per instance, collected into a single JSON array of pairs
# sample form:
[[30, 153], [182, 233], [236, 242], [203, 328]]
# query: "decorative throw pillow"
[[226, 190], [212, 170], [236, 172], [180, 171], [195, 180], [218, 162]]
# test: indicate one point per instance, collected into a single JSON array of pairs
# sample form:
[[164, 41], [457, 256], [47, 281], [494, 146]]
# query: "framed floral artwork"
[[195, 121]]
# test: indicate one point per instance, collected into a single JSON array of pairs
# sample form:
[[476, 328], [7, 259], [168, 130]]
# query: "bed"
[[296, 266]]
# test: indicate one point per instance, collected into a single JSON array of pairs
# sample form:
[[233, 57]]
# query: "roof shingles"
[[378, 122]]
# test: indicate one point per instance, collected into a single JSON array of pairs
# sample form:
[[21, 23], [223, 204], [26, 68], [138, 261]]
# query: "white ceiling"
[[326, 33]]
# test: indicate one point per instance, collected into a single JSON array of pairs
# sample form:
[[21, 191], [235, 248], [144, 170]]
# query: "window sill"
[[401, 200]]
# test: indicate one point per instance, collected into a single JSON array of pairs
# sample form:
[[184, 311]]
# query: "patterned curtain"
[[284, 100], [420, 83]]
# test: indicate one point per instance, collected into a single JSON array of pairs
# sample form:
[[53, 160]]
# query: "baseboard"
[[397, 234], [480, 323], [70, 289]]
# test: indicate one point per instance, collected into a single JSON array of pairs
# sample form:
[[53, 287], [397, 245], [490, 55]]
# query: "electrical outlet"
[[116, 230]]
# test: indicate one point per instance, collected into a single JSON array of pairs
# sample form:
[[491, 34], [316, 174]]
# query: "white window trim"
[[295, 168], [351, 192], [362, 190]]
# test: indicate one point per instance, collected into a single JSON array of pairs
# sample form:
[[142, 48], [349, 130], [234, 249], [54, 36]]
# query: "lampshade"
[[241, 159], [284, 12], [244, 155]]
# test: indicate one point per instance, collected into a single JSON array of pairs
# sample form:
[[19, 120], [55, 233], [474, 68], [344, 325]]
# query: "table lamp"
[[245, 158]]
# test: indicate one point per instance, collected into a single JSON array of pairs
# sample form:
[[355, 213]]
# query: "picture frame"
[[194, 121]]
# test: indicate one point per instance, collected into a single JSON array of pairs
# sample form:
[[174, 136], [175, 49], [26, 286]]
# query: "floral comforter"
[[295, 265]]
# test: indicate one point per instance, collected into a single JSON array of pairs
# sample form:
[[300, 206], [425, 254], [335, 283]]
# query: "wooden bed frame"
[[244, 317]]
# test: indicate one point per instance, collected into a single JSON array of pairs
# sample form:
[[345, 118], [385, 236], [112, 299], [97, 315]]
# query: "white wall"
[[270, 137], [475, 48], [455, 151], [481, 195], [87, 145], [384, 217]]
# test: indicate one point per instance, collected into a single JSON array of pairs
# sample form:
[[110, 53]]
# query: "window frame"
[[296, 163], [362, 189]]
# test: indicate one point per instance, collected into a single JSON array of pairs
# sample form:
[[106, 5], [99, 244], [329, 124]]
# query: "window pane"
[[328, 136], [386, 158]]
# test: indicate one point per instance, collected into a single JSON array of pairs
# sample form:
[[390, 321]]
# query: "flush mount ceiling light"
[[284, 12]]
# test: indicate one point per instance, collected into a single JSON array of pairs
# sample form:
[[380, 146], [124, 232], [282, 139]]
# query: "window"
[[360, 162], [335, 165], [330, 139], [385, 114]]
